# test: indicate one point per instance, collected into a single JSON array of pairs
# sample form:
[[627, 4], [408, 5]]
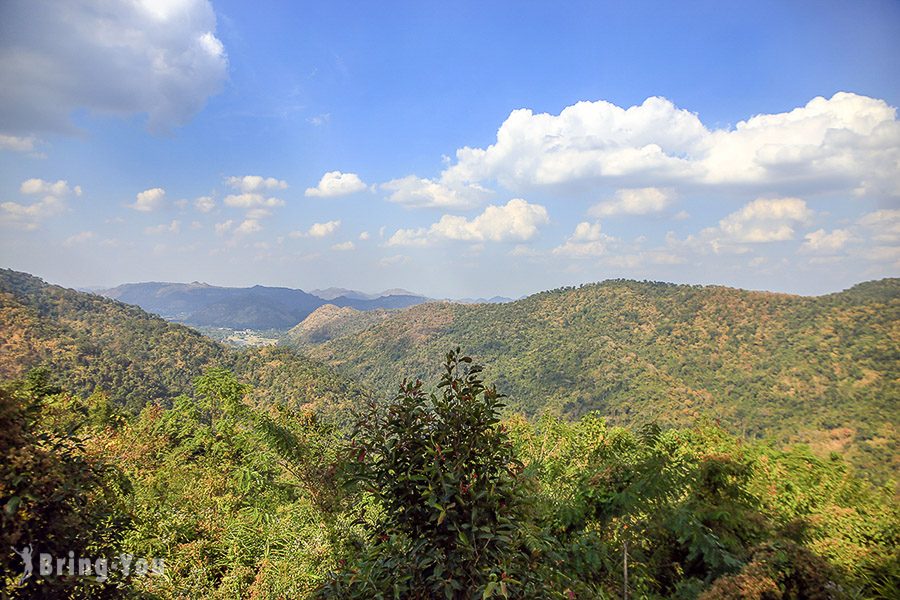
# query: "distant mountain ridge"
[[336, 292], [257, 307]]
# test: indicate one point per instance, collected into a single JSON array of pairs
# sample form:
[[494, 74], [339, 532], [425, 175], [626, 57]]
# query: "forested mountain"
[[259, 491], [257, 307], [94, 343], [822, 370], [330, 321]]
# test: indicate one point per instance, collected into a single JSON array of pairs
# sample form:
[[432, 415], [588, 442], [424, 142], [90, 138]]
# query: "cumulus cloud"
[[318, 230], [637, 201], [344, 246], [586, 241], [251, 194], [248, 226], [415, 192], [256, 183], [29, 215], [17, 143], [846, 143], [53, 203], [57, 188], [204, 204], [364, 235], [517, 220], [161, 59], [149, 200], [761, 221], [826, 242], [335, 183], [252, 200], [223, 227], [765, 220]]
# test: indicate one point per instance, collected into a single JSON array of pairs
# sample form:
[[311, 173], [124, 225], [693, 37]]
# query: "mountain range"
[[257, 307], [96, 344], [822, 371]]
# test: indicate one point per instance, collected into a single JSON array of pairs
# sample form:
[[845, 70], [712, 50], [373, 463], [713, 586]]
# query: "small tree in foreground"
[[444, 472]]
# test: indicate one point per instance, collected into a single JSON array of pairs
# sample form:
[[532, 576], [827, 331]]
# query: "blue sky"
[[456, 149]]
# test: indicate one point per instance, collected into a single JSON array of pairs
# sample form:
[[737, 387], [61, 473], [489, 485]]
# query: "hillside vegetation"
[[329, 321], [821, 370], [264, 474], [96, 344], [425, 496]]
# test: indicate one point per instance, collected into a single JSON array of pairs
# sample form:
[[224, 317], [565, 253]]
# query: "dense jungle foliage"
[[824, 371], [426, 496], [264, 474]]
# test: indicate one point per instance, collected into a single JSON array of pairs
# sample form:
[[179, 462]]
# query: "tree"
[[443, 471]]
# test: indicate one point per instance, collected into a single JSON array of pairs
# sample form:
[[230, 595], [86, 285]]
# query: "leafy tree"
[[56, 496], [444, 473]]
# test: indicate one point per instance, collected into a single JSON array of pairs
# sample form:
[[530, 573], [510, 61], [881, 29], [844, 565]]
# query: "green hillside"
[[90, 343], [329, 321], [249, 492], [821, 370]]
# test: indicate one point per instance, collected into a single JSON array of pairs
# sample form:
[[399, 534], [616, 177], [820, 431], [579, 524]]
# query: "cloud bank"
[[161, 59], [845, 143]]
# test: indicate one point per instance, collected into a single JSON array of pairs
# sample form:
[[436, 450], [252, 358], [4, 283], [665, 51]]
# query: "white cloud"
[[149, 200], [586, 241], [364, 235], [415, 192], [17, 143], [258, 213], [846, 143], [204, 204], [335, 183], [343, 246], [252, 200], [517, 220], [636, 201], [765, 220], [248, 226], [318, 230], [822, 241], [122, 58], [256, 183], [28, 216], [79, 238], [39, 186], [223, 227], [173, 227]]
